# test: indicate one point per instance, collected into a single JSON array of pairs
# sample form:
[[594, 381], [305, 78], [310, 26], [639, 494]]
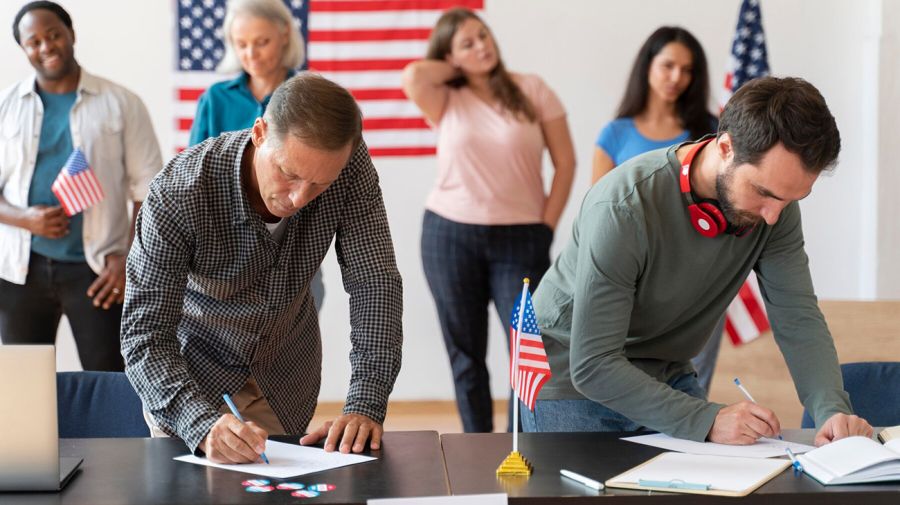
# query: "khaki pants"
[[252, 405]]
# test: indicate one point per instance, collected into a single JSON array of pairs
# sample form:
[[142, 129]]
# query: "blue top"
[[622, 141], [54, 149], [227, 106]]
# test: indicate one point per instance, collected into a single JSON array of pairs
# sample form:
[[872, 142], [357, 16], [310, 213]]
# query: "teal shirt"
[[54, 148], [227, 106], [637, 291]]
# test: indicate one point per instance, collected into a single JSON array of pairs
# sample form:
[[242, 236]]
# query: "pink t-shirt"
[[489, 163]]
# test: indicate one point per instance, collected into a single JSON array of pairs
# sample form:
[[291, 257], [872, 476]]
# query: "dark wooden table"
[[126, 471], [472, 461]]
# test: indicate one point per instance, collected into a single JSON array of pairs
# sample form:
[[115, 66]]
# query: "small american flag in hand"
[[76, 186]]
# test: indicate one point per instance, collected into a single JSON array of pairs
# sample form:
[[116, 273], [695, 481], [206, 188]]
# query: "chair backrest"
[[98, 404], [874, 389]]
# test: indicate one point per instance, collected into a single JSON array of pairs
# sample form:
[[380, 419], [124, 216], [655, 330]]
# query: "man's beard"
[[735, 217]]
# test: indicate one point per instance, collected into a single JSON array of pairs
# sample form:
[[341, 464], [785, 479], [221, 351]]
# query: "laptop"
[[29, 435]]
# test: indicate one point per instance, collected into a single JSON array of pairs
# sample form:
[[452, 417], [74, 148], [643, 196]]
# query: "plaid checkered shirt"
[[211, 298]]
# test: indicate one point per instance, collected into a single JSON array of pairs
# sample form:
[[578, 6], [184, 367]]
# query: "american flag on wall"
[[362, 45], [746, 318], [76, 186], [532, 367]]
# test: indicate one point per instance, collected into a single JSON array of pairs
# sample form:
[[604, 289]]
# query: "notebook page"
[[851, 454], [722, 473]]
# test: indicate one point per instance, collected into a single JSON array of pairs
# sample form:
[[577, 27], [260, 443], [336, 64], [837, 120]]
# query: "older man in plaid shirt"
[[218, 297]]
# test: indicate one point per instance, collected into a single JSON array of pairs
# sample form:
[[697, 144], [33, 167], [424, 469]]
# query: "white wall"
[[584, 49]]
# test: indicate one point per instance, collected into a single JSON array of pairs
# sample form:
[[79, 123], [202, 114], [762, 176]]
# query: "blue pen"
[[737, 382], [794, 461], [673, 484], [237, 414]]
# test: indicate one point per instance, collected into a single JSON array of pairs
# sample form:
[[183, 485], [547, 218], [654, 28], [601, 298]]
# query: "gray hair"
[[271, 10], [318, 112]]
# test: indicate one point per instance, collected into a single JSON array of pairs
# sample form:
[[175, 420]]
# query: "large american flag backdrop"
[[362, 45], [746, 317]]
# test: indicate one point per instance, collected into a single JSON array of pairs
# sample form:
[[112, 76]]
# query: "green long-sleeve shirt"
[[637, 292]]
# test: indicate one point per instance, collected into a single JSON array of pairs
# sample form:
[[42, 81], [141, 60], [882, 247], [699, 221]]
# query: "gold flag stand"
[[514, 464]]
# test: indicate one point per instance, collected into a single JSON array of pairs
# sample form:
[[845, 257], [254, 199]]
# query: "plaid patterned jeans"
[[467, 266]]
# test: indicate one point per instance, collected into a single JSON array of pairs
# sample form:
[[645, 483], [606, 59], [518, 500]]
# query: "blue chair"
[[874, 389], [98, 404]]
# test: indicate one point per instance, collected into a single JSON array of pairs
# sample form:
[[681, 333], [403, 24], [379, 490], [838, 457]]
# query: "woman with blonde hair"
[[264, 45], [488, 222]]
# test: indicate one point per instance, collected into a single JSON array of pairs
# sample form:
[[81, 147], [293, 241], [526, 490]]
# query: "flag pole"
[[515, 464], [516, 345]]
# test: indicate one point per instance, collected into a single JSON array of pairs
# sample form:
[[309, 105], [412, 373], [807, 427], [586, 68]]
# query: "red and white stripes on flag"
[[76, 186], [362, 45], [530, 363], [746, 318]]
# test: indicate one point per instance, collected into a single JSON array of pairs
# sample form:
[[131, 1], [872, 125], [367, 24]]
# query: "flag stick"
[[516, 344]]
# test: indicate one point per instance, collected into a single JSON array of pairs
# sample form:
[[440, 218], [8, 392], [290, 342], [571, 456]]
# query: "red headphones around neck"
[[706, 216]]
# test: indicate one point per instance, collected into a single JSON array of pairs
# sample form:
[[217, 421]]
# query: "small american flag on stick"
[[76, 186], [529, 368]]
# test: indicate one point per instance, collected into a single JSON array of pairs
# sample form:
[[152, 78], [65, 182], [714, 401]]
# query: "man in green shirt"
[[662, 244]]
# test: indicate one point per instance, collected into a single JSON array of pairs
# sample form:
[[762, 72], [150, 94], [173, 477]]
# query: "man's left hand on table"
[[349, 432]]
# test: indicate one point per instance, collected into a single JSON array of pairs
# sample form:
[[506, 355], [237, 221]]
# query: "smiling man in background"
[[50, 263]]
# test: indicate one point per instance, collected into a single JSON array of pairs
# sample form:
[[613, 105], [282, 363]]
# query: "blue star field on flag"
[[200, 40], [749, 46], [529, 322]]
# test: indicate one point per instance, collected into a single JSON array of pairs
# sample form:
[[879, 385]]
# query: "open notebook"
[[700, 474], [853, 460], [889, 434]]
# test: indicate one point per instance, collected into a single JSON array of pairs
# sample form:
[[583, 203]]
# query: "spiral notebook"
[[677, 472]]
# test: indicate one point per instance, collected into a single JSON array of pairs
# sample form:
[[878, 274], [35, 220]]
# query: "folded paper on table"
[[763, 448], [287, 460], [677, 472]]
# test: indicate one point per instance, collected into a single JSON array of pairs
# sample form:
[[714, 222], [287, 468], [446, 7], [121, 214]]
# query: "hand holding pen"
[[233, 441], [737, 382], [743, 423]]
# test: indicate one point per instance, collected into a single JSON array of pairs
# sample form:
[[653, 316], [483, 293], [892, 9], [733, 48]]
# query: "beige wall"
[[863, 331]]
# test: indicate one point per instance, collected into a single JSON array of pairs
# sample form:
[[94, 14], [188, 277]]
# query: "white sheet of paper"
[[287, 460], [463, 499], [763, 448]]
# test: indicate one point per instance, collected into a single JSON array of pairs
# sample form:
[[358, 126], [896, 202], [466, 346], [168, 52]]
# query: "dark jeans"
[[705, 362], [30, 313], [587, 415], [467, 266]]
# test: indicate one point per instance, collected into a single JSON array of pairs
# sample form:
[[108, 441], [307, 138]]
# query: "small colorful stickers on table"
[[297, 489]]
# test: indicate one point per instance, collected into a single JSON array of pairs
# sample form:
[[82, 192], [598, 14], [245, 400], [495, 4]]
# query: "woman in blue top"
[[665, 102], [262, 44]]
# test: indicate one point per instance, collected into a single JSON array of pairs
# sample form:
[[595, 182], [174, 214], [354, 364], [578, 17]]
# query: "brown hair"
[[501, 83], [790, 111], [317, 111]]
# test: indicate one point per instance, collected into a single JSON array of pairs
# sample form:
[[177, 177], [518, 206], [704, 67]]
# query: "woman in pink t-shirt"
[[488, 221]]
